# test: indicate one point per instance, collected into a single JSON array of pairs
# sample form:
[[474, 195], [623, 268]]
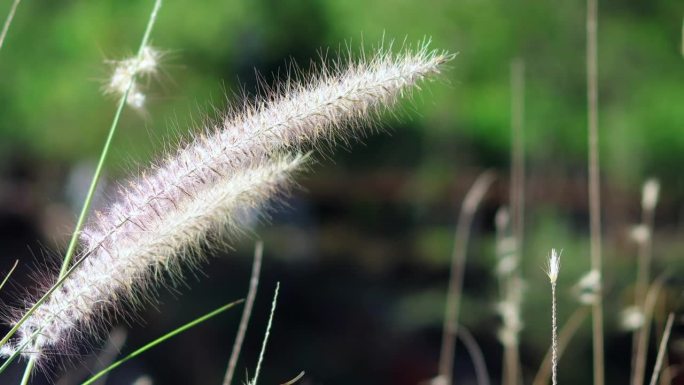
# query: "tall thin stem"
[[642, 343], [28, 371], [645, 256], [554, 336], [105, 150], [246, 313], [517, 196], [475, 352], [552, 272], [266, 335], [458, 258], [594, 186], [566, 334], [8, 21], [661, 349]]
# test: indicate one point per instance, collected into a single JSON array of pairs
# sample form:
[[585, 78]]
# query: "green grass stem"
[[161, 339]]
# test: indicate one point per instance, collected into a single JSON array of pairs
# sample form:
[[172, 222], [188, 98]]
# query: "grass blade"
[[161, 339]]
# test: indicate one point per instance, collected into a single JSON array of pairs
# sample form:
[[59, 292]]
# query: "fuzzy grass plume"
[[164, 219]]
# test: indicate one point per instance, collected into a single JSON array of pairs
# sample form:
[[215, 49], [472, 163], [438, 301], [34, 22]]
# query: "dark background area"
[[362, 250]]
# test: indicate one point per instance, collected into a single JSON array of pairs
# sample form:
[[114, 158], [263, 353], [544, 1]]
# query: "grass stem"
[[661, 350], [594, 187], [105, 150], [8, 21], [246, 313], [159, 340], [266, 335], [458, 259]]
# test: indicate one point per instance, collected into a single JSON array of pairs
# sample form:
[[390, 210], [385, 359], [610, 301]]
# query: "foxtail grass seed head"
[[553, 266], [164, 220], [649, 194]]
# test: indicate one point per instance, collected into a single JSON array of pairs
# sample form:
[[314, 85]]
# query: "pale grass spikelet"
[[649, 194], [552, 271], [162, 220], [588, 287], [127, 71], [553, 266]]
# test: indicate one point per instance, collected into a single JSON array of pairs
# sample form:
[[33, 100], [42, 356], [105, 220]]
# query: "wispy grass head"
[[163, 220]]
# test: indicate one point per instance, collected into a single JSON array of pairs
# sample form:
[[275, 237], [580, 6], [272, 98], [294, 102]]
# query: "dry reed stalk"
[[594, 187], [517, 197], [566, 334], [458, 258]]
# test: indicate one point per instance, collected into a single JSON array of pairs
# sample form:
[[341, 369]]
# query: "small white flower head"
[[588, 287], [631, 318], [649, 194], [640, 234], [554, 266], [148, 63], [126, 73]]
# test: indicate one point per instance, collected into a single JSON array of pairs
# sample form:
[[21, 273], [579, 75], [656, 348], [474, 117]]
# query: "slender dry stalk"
[[246, 313], [511, 295], [267, 333], [566, 334], [8, 21], [649, 199], [475, 353], [661, 349], [517, 196], [642, 343], [552, 272], [458, 257], [594, 186]]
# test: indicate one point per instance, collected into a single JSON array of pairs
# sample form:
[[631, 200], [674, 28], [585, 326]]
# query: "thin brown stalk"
[[517, 198], [458, 258], [8, 21], [645, 255], [661, 349], [660, 331], [642, 343], [594, 186], [246, 313], [564, 337], [476, 355], [517, 195]]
